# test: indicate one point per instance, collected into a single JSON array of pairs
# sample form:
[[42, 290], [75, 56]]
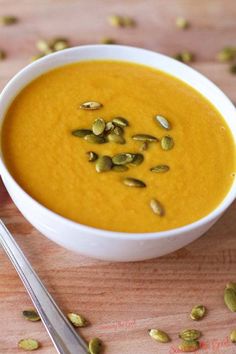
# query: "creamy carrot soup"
[[169, 155]]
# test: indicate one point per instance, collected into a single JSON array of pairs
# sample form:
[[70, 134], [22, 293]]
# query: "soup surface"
[[51, 164]]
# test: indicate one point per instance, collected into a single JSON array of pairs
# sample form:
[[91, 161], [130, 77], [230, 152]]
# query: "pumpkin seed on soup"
[[104, 164], [92, 156], [144, 146], [159, 335], [114, 138], [118, 131], [98, 126], [120, 168], [77, 320], [198, 312], [95, 346], [137, 159], [163, 122], [31, 315], [28, 344], [95, 139], [120, 122], [122, 159], [81, 133], [167, 143], [134, 182], [160, 169], [91, 105], [156, 207], [145, 137]]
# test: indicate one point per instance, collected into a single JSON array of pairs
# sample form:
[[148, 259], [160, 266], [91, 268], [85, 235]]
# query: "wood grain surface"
[[123, 300]]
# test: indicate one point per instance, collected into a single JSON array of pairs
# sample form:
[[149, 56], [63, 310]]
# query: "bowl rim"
[[209, 218]]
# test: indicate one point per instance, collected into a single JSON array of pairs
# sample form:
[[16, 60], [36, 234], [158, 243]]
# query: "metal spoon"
[[64, 337]]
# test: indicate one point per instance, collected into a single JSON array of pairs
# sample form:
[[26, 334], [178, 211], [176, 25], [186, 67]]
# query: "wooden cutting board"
[[123, 300]]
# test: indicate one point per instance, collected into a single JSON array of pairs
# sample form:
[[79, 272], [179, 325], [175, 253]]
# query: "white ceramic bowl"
[[107, 245]]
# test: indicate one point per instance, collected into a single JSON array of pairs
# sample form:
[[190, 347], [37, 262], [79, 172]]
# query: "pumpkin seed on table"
[[91, 105], [185, 57], [77, 320], [120, 168], [230, 299], [181, 23], [190, 334], [37, 56], [94, 139], [121, 21], [31, 315], [233, 336], [28, 344], [167, 142], [107, 40], [8, 20], [120, 122], [232, 69], [160, 169], [122, 158], [98, 126], [156, 207], [134, 182], [189, 346], [81, 133], [159, 335], [2, 55], [198, 312], [231, 285], [104, 164], [163, 122], [226, 54], [137, 159], [92, 156], [114, 138], [95, 346], [43, 46], [60, 44], [144, 137]]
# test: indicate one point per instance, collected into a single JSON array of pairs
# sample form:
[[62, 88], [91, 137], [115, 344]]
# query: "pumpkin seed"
[[198, 312], [28, 344], [95, 346], [81, 133], [122, 159], [232, 69], [159, 336], [144, 137], [185, 57], [233, 336], [230, 299], [189, 346], [118, 131], [114, 138], [91, 105], [160, 168], [98, 126], [120, 168], [109, 127], [43, 46], [144, 146], [2, 54], [31, 315], [115, 21], [37, 56], [120, 122], [226, 54], [156, 207], [92, 156], [8, 20], [77, 320], [163, 122], [133, 182], [181, 23], [103, 164], [190, 334], [128, 21], [137, 159], [231, 285], [107, 40], [167, 143], [94, 139], [59, 44]]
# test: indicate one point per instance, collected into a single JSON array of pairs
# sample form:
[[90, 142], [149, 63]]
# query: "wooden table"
[[123, 300]]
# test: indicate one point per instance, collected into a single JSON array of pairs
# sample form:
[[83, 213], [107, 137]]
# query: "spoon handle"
[[63, 335]]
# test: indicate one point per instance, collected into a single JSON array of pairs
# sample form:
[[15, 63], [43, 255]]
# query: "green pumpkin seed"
[[163, 122], [114, 138], [8, 20], [232, 69], [98, 126], [226, 54], [92, 156], [37, 56], [184, 57], [144, 137], [190, 334], [28, 344], [77, 320], [60, 44], [91, 105], [181, 23], [144, 146], [120, 122], [160, 169], [109, 126], [198, 312], [31, 315], [137, 159], [231, 285], [120, 168], [167, 143], [94, 139], [107, 40], [133, 182], [2, 55], [123, 158], [103, 164], [230, 299], [115, 20], [159, 336], [118, 131], [189, 346], [95, 346], [233, 336], [81, 133], [156, 207]]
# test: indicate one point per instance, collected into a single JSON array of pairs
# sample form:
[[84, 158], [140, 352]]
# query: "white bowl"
[[102, 244]]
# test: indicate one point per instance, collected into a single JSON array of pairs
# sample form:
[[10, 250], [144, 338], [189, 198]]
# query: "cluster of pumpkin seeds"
[[102, 132], [50, 46], [121, 21]]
